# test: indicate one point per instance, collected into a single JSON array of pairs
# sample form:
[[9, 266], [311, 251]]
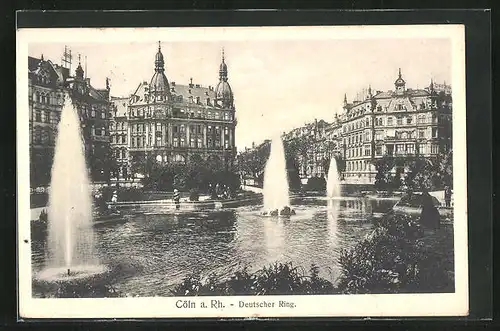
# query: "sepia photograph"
[[242, 172]]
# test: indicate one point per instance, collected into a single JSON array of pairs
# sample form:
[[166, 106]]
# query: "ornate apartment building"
[[48, 85], [402, 123], [169, 122], [318, 142]]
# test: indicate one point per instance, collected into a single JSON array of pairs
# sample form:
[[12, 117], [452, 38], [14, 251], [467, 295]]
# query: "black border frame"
[[479, 129]]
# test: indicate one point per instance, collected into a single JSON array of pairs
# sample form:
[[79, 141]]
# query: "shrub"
[[194, 195], [276, 279], [392, 259], [316, 184]]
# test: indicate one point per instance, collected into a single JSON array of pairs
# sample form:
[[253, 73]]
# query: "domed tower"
[[159, 89], [223, 92], [400, 84]]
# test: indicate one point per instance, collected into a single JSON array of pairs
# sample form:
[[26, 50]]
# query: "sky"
[[277, 84]]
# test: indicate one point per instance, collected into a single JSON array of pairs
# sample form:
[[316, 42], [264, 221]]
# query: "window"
[[410, 148], [158, 127], [379, 135], [367, 122], [434, 132], [209, 114], [226, 144], [378, 150], [409, 119], [434, 149], [124, 139], [191, 142], [198, 129], [367, 151], [123, 154], [176, 142], [134, 141], [421, 133], [103, 114], [183, 128], [183, 143], [389, 121], [92, 114], [199, 145], [399, 121], [400, 148], [38, 115]]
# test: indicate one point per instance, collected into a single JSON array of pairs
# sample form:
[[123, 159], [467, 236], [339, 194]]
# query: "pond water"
[[156, 251]]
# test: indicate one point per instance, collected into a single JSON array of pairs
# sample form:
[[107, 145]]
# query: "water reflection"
[[332, 213], [162, 249]]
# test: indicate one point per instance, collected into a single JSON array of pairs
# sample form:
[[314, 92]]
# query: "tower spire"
[[345, 99], [223, 68], [399, 73], [79, 70], [159, 62]]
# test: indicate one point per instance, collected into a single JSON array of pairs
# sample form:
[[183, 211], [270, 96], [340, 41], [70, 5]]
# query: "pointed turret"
[[223, 92], [79, 70], [159, 88]]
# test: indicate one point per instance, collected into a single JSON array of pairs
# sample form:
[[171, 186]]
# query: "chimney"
[[206, 93], [190, 83], [173, 83]]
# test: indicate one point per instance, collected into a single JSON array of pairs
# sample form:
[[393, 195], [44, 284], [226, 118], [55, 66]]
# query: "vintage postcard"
[[242, 172]]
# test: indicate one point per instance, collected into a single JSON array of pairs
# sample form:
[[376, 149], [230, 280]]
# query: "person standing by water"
[[430, 214], [447, 196], [177, 199]]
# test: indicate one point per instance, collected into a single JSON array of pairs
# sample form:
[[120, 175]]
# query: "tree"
[[383, 176], [445, 169]]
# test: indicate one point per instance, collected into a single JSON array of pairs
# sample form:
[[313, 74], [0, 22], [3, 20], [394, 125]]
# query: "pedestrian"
[[177, 199], [447, 196], [429, 216]]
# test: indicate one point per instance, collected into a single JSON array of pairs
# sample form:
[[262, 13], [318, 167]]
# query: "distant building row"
[[402, 123], [48, 85], [161, 121]]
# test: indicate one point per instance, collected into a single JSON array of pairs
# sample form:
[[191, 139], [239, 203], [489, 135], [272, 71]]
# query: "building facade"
[[49, 84], [401, 123], [171, 123]]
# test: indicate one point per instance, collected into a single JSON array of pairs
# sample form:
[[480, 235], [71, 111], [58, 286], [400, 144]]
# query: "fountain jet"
[[276, 190], [333, 181], [70, 233]]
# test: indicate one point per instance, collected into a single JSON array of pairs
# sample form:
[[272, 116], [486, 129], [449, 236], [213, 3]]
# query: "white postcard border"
[[451, 304]]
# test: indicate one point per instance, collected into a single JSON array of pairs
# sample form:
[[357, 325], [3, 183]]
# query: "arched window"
[[38, 99]]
